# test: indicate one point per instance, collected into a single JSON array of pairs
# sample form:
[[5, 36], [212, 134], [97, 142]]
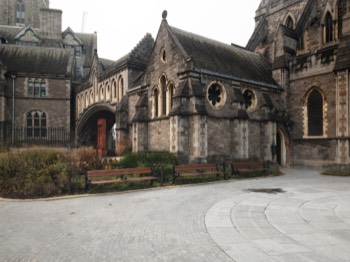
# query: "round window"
[[249, 100], [216, 95]]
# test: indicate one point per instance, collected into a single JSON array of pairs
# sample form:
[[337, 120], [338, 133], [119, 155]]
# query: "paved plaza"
[[301, 216]]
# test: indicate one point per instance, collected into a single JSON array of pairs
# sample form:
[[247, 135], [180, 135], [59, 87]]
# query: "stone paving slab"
[[227, 221]]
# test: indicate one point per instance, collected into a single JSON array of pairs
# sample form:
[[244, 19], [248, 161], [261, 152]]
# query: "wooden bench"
[[195, 170], [97, 177], [241, 168]]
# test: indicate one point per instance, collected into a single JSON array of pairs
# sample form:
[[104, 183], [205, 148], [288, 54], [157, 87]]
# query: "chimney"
[[51, 23]]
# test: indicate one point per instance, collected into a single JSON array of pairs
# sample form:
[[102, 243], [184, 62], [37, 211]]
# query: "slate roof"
[[32, 60], [139, 56], [343, 56], [9, 33], [229, 60], [90, 43]]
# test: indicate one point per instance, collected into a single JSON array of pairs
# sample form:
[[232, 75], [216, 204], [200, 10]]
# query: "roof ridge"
[[213, 41]]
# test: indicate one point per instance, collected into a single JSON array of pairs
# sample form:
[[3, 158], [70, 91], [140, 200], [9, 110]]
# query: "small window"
[[163, 90], [216, 95], [315, 113], [120, 89], [30, 88], [290, 23], [36, 124], [249, 100], [20, 13], [115, 91], [156, 102], [43, 89], [301, 42], [36, 89], [328, 37], [78, 50], [163, 55]]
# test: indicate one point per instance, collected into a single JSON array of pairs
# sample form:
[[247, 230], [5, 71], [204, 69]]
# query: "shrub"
[[339, 170], [158, 160], [44, 172]]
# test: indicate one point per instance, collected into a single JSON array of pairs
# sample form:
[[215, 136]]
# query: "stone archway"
[[88, 133]]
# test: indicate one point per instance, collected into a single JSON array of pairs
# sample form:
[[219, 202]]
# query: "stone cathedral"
[[284, 97]]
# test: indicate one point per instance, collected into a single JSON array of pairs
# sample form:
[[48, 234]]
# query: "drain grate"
[[266, 190]]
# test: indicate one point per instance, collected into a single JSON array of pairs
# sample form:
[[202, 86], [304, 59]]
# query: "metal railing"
[[50, 136]]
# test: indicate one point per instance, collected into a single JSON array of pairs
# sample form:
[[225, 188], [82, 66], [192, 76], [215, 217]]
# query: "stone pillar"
[[179, 137], [139, 137], [240, 139], [268, 139], [199, 139], [342, 116]]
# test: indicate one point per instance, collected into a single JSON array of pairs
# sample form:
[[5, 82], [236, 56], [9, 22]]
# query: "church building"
[[284, 97]]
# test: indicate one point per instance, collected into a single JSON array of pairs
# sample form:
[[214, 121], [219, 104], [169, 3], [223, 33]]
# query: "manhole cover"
[[266, 190]]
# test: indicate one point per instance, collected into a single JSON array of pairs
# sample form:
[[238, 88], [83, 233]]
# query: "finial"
[[164, 14]]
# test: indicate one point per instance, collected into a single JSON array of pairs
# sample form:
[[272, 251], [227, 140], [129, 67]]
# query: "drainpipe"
[[13, 76]]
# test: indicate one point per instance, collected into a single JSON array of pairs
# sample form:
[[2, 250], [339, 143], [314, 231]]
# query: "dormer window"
[[20, 13], [27, 37]]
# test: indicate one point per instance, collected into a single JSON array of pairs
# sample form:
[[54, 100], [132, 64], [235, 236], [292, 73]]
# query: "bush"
[[339, 170], [158, 160], [44, 172]]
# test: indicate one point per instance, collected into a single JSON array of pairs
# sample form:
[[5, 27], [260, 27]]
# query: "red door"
[[101, 139]]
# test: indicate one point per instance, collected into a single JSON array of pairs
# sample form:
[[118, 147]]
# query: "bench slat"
[[195, 170], [108, 176], [196, 174]]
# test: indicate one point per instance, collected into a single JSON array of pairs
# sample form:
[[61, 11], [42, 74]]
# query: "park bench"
[[195, 170], [241, 168], [98, 177]]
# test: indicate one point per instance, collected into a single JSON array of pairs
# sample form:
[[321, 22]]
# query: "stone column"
[[139, 137], [240, 139], [342, 116], [199, 139], [268, 138], [179, 137]]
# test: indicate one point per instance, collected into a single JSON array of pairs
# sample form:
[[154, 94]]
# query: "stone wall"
[[8, 12], [56, 104], [159, 135]]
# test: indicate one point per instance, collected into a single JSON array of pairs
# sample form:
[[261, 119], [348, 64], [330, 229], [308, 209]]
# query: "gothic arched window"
[[290, 23], [155, 103], [328, 31], [115, 91], [315, 113], [163, 91], [120, 88], [171, 91]]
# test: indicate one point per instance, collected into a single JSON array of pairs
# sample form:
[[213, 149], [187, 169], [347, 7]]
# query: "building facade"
[[309, 55], [284, 97], [40, 66]]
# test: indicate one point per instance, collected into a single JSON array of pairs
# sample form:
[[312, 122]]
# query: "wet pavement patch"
[[266, 190]]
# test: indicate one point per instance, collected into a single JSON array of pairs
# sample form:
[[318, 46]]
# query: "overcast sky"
[[120, 25]]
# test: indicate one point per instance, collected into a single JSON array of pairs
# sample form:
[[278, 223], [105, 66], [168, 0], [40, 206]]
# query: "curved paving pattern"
[[310, 221]]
